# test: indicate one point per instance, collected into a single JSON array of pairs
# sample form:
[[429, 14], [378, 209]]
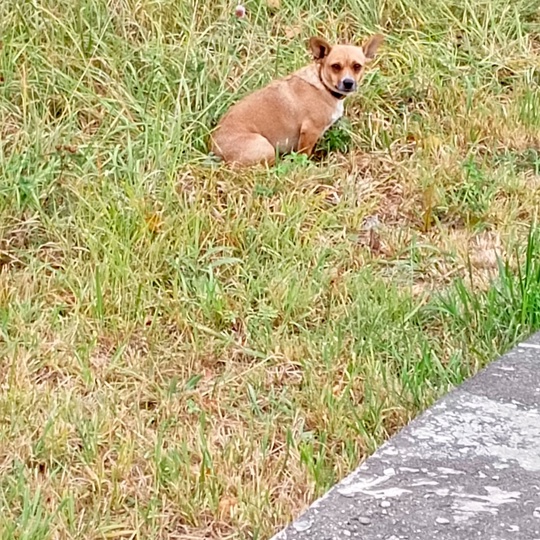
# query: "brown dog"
[[291, 114]]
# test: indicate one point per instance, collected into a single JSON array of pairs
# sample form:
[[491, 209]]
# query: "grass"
[[189, 352]]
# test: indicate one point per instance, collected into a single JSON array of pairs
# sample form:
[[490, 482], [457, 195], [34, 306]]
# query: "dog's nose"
[[348, 84]]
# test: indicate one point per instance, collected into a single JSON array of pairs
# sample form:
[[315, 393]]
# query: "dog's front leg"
[[309, 135]]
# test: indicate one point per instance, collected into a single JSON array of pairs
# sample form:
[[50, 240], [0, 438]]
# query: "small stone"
[[536, 512], [364, 520], [302, 526], [385, 504], [345, 532], [442, 521]]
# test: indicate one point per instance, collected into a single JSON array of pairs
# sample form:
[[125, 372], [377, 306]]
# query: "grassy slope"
[[187, 352]]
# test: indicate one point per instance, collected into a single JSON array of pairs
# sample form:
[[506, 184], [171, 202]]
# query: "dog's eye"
[[336, 67], [357, 67]]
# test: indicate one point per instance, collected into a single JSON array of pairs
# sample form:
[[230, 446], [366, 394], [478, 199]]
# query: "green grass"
[[191, 352]]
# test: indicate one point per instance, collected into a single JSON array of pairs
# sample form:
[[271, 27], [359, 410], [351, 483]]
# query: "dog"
[[291, 114]]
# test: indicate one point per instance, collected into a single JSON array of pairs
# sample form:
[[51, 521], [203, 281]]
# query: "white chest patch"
[[338, 113]]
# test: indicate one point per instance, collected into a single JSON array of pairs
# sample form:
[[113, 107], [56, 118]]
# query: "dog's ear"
[[319, 47], [371, 45]]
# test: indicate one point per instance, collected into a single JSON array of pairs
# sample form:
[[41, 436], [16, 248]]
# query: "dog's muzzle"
[[347, 85]]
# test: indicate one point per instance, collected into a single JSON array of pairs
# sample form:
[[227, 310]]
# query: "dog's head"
[[342, 66]]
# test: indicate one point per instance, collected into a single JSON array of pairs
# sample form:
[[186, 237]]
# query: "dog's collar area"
[[337, 95]]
